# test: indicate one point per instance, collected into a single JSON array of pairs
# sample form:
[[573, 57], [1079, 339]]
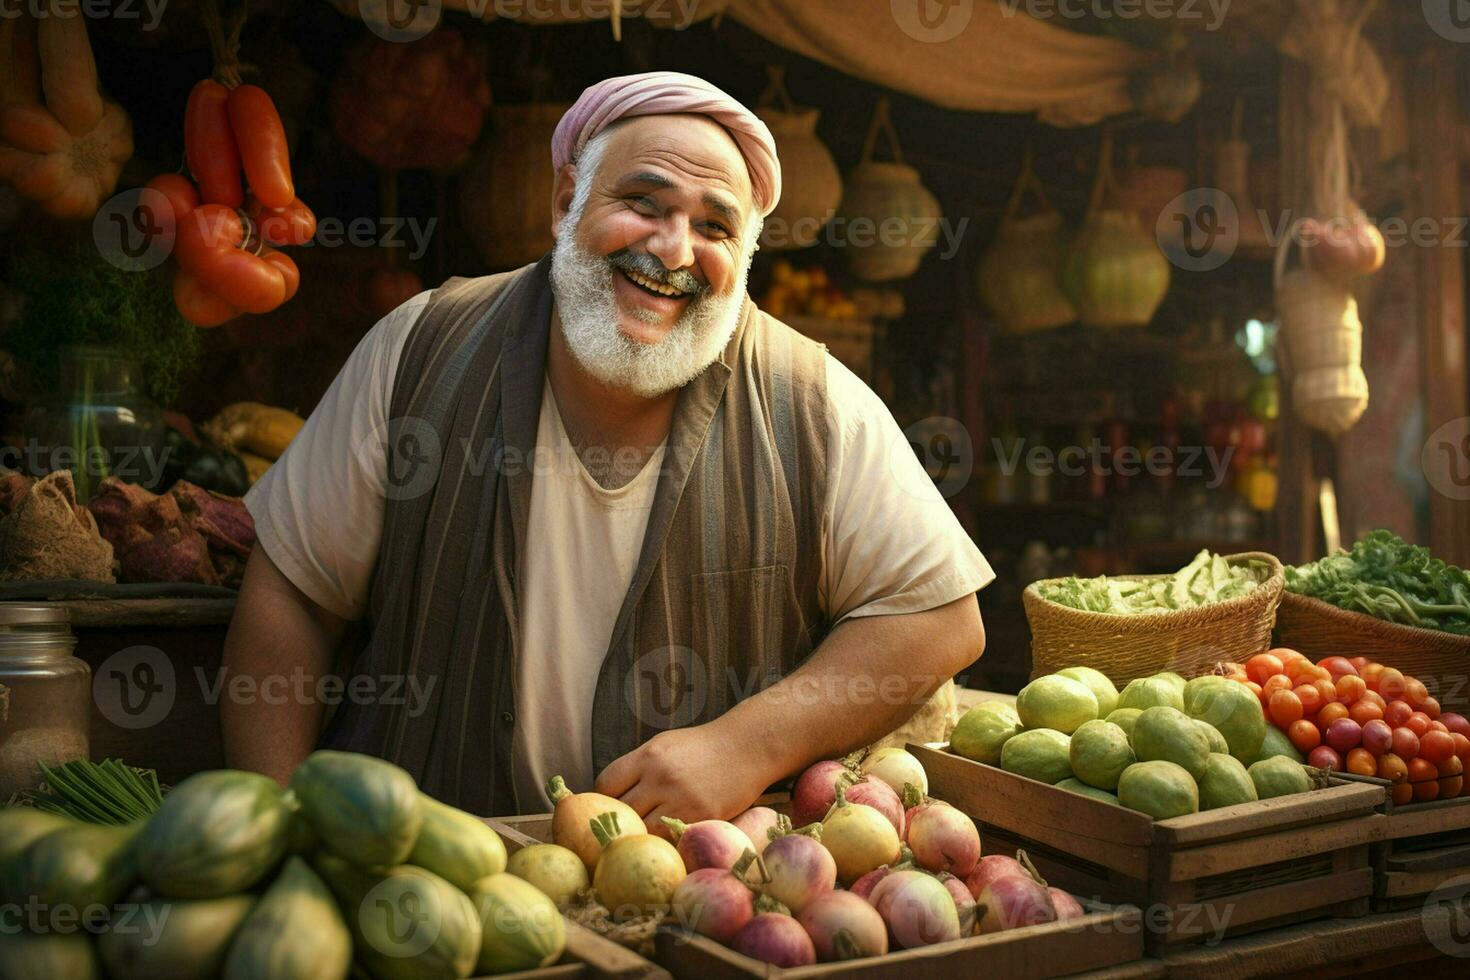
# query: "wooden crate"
[[1106, 936], [587, 954], [1219, 873], [1425, 846]]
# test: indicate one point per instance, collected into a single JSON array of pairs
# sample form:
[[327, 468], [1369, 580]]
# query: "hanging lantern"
[[505, 192], [811, 183], [1114, 272], [1018, 272], [891, 221]]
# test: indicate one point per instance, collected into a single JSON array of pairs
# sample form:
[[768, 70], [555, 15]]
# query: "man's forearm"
[[866, 679], [276, 635]]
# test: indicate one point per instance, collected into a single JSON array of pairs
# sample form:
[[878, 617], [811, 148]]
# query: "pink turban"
[[658, 93]]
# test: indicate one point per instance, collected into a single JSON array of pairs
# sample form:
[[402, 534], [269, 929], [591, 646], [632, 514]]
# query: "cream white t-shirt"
[[890, 543]]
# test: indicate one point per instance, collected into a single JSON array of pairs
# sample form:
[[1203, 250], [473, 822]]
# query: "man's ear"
[[563, 190]]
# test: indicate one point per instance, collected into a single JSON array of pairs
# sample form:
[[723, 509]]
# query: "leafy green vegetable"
[[1207, 579], [1388, 578], [108, 792], [75, 296]]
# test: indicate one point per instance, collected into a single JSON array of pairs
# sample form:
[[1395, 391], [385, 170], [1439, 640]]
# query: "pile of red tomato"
[[1358, 716]]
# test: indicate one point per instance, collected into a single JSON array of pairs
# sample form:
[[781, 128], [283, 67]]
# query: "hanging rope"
[[224, 45]]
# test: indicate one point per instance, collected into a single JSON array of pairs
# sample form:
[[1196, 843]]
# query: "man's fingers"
[[656, 825], [620, 776], [642, 799]]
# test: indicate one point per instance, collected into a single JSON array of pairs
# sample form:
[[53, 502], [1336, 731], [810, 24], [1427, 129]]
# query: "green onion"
[[108, 792]]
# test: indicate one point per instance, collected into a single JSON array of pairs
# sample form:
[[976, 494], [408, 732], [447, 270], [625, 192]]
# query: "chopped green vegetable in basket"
[[108, 792], [1207, 579], [1386, 577]]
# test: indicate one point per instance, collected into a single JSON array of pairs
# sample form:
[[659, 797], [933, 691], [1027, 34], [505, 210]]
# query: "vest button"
[[507, 717]]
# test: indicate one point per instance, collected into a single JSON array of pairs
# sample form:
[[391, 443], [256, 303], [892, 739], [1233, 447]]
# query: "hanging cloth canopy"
[[976, 55]]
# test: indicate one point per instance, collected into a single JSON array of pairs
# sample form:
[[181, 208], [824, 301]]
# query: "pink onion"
[[917, 908], [758, 822], [709, 843], [944, 839], [714, 903], [816, 790], [1066, 906], [964, 902], [863, 887], [991, 867], [775, 939], [796, 869], [843, 926], [877, 794], [1012, 901]]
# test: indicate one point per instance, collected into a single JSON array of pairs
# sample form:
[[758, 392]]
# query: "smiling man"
[[619, 524]]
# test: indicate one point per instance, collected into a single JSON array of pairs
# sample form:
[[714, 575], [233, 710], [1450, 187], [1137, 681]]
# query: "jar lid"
[[25, 614]]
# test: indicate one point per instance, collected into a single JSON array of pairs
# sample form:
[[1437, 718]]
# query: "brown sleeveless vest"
[[724, 597]]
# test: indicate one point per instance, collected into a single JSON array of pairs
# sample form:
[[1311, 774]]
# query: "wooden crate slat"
[[1213, 859], [1454, 857], [1248, 819], [1296, 900]]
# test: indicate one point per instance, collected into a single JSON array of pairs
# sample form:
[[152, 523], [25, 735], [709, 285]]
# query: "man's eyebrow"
[[719, 207], [647, 178]]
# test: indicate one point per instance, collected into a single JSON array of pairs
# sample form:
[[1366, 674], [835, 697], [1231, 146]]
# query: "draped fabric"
[[979, 55]]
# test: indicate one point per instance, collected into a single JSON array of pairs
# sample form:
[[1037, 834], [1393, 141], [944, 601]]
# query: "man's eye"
[[716, 230], [643, 204]]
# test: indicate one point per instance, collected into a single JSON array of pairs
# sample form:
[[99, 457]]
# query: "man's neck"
[[613, 431]]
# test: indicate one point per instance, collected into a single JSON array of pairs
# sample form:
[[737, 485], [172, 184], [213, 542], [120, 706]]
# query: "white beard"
[[583, 286]]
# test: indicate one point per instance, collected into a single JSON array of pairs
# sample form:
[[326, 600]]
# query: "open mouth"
[[652, 287]]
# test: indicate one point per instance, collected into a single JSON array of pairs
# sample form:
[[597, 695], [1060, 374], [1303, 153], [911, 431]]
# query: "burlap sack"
[[48, 535]]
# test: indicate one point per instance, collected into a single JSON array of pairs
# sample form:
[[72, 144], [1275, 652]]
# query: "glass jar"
[[98, 423], [45, 695]]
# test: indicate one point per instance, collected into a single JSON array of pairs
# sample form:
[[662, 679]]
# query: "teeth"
[[663, 289]]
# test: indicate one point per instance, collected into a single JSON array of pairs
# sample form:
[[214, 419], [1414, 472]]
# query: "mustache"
[[627, 260]]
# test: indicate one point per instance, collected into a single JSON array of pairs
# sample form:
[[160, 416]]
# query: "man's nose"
[[671, 244]]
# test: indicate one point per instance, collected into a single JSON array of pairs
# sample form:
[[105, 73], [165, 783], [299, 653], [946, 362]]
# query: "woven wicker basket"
[[1319, 629], [1189, 642]]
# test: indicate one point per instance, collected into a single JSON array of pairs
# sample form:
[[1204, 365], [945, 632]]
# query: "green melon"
[[1073, 785], [983, 730], [1233, 710], [1151, 692], [1279, 776], [1225, 783], [1160, 789], [1099, 753], [1097, 682], [1056, 702], [1277, 744], [1041, 754], [1124, 718], [1217, 741], [1168, 735]]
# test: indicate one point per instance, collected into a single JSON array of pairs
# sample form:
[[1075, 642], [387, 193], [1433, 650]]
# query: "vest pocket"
[[745, 623]]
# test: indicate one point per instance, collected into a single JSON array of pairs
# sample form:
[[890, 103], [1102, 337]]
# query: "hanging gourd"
[[1018, 272], [414, 105], [1320, 327], [1114, 272], [1324, 345], [811, 188], [890, 220], [505, 192]]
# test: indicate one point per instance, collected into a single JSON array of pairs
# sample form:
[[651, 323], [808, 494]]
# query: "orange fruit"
[[1418, 723], [1284, 707], [1436, 747], [1415, 692], [1304, 735], [1361, 761], [1390, 683], [1263, 666], [1363, 712], [1330, 713], [1350, 688], [1392, 768], [1431, 708]]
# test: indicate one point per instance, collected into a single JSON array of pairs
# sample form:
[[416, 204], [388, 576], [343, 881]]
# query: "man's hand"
[[699, 773]]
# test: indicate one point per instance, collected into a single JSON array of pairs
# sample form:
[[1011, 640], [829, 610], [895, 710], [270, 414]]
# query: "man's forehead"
[[689, 146]]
